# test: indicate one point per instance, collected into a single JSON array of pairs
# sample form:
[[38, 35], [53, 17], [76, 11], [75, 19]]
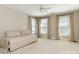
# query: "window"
[[64, 26], [44, 26], [33, 26]]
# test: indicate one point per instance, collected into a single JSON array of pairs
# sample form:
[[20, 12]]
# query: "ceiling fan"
[[42, 9], [42, 12]]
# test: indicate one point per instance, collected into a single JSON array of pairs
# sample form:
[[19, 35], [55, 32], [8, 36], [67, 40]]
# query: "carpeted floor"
[[46, 46]]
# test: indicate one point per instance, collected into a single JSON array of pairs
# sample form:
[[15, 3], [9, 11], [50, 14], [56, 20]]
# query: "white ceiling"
[[25, 8], [55, 8]]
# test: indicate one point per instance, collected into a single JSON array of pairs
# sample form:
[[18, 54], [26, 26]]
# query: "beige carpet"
[[46, 46]]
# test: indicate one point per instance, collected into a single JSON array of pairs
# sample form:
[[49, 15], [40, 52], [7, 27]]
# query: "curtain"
[[37, 27], [49, 25], [71, 28], [57, 28], [29, 24]]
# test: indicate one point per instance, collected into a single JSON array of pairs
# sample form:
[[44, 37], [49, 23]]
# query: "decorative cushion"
[[25, 32], [12, 34]]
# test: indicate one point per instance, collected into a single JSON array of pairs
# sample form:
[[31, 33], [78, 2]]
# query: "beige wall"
[[76, 25], [11, 20], [52, 26]]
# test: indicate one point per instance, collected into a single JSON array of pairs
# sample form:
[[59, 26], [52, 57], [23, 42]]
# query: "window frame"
[[57, 25], [47, 26]]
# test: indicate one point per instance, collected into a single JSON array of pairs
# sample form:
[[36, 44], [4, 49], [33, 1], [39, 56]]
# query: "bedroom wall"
[[53, 26], [11, 20]]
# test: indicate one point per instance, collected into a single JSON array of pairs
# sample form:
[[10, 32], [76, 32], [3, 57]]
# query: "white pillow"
[[12, 34], [25, 32]]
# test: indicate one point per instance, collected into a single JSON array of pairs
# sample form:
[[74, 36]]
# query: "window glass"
[[44, 25], [64, 25], [33, 26]]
